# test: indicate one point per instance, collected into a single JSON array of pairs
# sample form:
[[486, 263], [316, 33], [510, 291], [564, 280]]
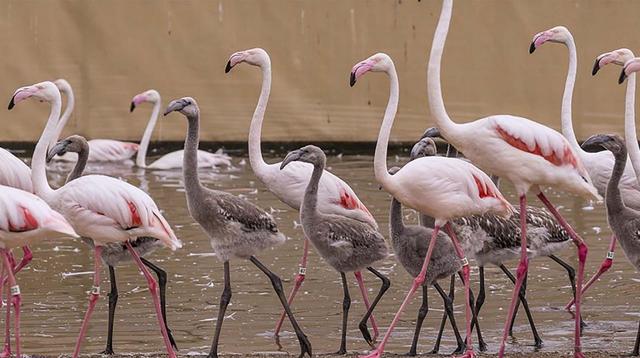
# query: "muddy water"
[[55, 285]]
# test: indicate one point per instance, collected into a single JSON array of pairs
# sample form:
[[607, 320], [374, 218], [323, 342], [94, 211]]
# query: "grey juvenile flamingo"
[[346, 244], [113, 253], [236, 227]]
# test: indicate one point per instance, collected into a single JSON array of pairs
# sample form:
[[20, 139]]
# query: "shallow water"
[[55, 285]]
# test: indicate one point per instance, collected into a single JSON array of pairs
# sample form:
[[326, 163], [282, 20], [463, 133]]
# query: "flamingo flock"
[[464, 218]]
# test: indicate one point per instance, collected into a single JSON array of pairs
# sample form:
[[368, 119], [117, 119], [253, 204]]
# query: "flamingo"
[[102, 208], [334, 195], [171, 160], [101, 150], [25, 219], [531, 155], [598, 164], [235, 227], [443, 188]]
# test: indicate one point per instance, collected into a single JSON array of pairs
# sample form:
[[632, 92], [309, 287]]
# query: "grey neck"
[[78, 169], [396, 224], [310, 200], [613, 199], [190, 160]]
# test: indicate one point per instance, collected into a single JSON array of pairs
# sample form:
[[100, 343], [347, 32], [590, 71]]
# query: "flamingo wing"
[[15, 173], [108, 150], [248, 215]]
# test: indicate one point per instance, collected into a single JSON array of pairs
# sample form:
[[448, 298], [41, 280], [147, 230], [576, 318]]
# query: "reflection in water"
[[55, 285]]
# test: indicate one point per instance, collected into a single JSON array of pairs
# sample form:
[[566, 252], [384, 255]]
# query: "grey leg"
[[225, 298], [363, 323]]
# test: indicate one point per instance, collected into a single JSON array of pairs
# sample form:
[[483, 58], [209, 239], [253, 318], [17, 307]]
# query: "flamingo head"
[[151, 96], [559, 34], [74, 144], [380, 62], [618, 57], [44, 92], [255, 57], [631, 66], [185, 105], [308, 154], [611, 142], [426, 147], [63, 85], [433, 132]]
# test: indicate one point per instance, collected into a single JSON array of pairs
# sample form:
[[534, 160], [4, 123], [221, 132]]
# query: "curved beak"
[[358, 70], [595, 142], [352, 79], [596, 66], [133, 106], [426, 147], [175, 105], [21, 94], [228, 67], [291, 157], [623, 76], [59, 149], [532, 48], [234, 59], [433, 132]]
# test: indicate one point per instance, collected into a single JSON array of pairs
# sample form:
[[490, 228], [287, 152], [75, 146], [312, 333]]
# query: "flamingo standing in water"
[[531, 155], [24, 219], [171, 160], [598, 164], [101, 150], [443, 188], [102, 208], [334, 195]]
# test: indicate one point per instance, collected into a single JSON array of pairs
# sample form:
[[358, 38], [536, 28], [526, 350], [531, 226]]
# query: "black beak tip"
[[133, 106], [352, 79], [228, 67], [622, 77], [12, 103], [532, 48], [596, 67]]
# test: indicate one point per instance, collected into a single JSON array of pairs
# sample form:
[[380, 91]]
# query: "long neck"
[[255, 131], [310, 200], [613, 199], [38, 166], [71, 101], [81, 163], [567, 97], [380, 159], [190, 160], [396, 224], [434, 89], [630, 136], [141, 158]]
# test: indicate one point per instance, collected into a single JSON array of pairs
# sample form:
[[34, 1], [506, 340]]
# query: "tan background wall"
[[111, 50]]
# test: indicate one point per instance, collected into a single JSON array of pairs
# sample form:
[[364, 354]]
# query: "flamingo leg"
[[417, 282], [482, 346], [369, 315], [525, 305], [604, 267], [153, 289], [93, 298], [523, 267], [572, 280], [448, 312], [162, 283], [582, 258], [6, 351], [466, 276], [113, 301], [225, 298], [302, 272], [27, 257], [422, 313], [15, 298], [346, 303]]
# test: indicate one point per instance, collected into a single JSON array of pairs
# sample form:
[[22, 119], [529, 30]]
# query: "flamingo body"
[[105, 150], [206, 159], [15, 173]]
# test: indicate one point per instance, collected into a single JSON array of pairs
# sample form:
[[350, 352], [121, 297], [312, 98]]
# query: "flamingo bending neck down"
[[104, 209], [531, 155], [334, 195], [102, 150], [171, 160], [604, 160], [443, 188], [235, 227]]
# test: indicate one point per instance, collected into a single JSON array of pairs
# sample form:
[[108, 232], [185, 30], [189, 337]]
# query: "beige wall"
[[111, 50]]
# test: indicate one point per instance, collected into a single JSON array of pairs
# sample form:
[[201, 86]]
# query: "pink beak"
[[539, 39], [234, 60], [21, 94], [358, 70]]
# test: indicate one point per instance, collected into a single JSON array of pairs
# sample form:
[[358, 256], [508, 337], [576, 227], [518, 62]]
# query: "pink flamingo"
[[443, 188], [629, 182], [102, 208], [24, 219], [334, 195], [100, 150], [531, 155]]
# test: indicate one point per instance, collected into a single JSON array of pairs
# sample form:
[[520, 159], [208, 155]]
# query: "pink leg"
[[466, 273], [417, 282], [153, 288], [582, 258], [523, 267], [15, 299], [604, 267], [365, 298], [26, 259], [93, 298], [6, 351], [302, 271]]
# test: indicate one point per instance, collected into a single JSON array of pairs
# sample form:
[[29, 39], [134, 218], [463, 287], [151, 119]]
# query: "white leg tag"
[[610, 255], [465, 262], [15, 290], [302, 271], [95, 290]]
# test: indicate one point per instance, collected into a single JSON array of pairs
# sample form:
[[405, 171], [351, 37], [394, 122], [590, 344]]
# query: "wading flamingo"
[[531, 155], [443, 188], [236, 227], [99, 207], [171, 160], [334, 195]]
